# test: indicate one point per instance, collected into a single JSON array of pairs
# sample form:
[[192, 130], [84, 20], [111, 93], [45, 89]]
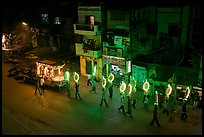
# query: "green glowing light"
[[94, 70], [76, 77], [66, 76]]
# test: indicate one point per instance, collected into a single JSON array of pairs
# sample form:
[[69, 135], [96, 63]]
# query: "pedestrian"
[[155, 118], [67, 79], [160, 99], [129, 100], [111, 90], [146, 103], [37, 85], [172, 111], [166, 104], [103, 98], [68, 88], [77, 90], [133, 95], [184, 111], [195, 100], [89, 80], [42, 84], [145, 92], [122, 106], [93, 85]]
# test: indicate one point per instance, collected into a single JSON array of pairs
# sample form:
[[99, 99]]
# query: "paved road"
[[53, 113]]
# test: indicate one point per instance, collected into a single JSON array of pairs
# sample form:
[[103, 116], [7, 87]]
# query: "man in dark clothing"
[[184, 115], [122, 96], [89, 80], [129, 106], [104, 97], [38, 86], [155, 116], [93, 85], [77, 90], [111, 90]]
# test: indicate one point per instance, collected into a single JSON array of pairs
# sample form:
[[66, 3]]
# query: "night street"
[[53, 113]]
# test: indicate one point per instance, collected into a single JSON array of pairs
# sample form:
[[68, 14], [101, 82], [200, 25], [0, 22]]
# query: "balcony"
[[89, 53], [85, 29]]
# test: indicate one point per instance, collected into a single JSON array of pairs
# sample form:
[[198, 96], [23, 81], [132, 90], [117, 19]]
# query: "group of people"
[[126, 97]]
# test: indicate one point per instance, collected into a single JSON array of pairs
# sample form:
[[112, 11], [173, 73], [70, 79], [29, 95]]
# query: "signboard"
[[128, 66], [118, 40], [114, 60]]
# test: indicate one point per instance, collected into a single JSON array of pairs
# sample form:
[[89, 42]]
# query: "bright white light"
[[188, 92], [24, 23]]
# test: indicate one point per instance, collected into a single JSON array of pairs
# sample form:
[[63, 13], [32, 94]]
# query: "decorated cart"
[[52, 72]]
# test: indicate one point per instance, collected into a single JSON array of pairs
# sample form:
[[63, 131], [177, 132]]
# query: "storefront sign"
[[114, 60]]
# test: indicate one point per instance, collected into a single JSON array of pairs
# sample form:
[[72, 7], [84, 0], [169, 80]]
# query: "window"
[[45, 18], [174, 30], [90, 19]]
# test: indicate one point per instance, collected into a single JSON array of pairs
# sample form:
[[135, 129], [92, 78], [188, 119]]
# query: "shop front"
[[91, 66], [117, 66]]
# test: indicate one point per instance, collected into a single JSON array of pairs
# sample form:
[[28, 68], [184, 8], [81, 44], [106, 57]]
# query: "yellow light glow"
[[168, 90], [157, 98], [76, 77], [110, 78], [129, 89], [103, 82], [145, 86], [122, 87]]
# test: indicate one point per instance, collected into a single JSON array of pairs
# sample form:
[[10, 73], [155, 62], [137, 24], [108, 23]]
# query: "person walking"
[[155, 116], [89, 80], [93, 85], [122, 106], [68, 88], [103, 98], [129, 105], [145, 92], [184, 111], [160, 101], [111, 90], [42, 84], [166, 104], [37, 85], [133, 95], [67, 79], [77, 90], [146, 103]]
